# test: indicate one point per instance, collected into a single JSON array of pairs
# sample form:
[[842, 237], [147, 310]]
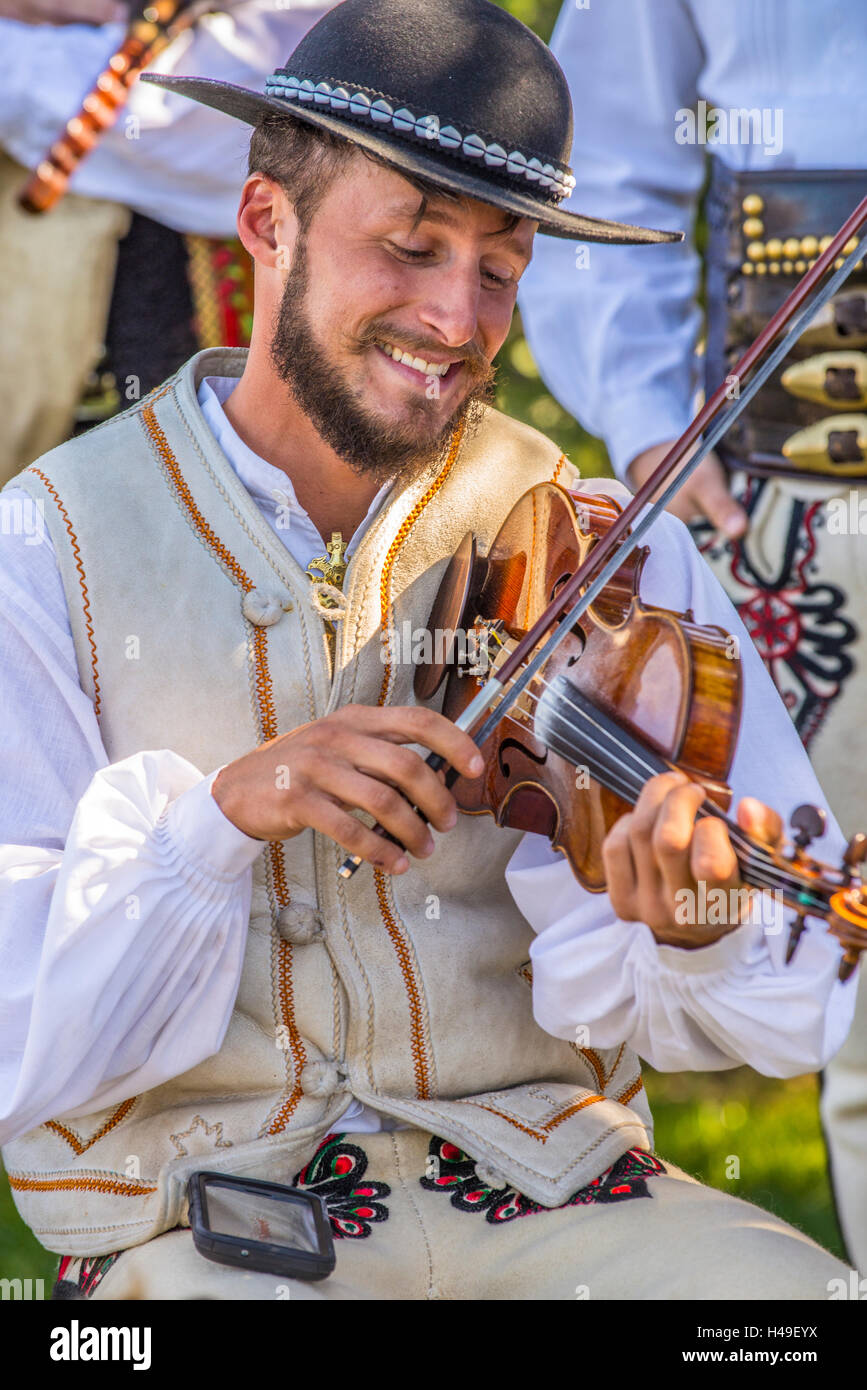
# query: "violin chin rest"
[[448, 610]]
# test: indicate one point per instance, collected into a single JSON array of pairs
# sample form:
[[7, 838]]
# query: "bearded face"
[[371, 439]]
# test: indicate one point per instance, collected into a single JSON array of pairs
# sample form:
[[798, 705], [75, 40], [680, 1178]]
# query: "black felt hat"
[[456, 91]]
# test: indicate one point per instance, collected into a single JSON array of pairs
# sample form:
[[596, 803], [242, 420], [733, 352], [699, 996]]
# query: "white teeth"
[[418, 364]]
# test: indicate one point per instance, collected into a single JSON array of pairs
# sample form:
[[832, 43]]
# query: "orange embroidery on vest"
[[631, 1091], [559, 469], [264, 688], [616, 1062], [278, 874], [419, 1061], [85, 596], [205, 530], [598, 1068], [119, 1188], [261, 673], [286, 995], [268, 721], [544, 1130], [596, 1063], [528, 619], [81, 1146], [403, 532], [420, 1066]]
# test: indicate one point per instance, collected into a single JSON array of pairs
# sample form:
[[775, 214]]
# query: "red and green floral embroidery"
[[78, 1278], [336, 1171], [451, 1170]]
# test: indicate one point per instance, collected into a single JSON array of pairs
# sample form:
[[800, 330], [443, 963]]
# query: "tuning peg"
[[796, 931], [856, 851], [809, 823]]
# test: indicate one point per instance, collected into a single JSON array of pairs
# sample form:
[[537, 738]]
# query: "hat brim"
[[250, 107]]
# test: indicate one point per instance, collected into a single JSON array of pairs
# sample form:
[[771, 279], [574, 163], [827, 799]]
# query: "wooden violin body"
[[631, 692], [671, 682]]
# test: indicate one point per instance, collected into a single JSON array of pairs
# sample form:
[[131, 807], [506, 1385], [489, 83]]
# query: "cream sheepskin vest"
[[413, 995]]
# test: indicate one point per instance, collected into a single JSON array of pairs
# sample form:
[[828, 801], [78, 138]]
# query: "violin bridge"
[[488, 647], [496, 646]]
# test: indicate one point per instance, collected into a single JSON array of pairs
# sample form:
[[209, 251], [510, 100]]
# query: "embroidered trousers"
[[799, 582], [414, 1219]]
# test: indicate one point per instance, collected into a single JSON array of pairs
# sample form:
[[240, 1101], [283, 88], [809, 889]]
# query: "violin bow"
[[500, 692], [150, 31]]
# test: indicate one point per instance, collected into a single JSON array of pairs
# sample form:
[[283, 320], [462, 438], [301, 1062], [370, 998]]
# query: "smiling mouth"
[[424, 369]]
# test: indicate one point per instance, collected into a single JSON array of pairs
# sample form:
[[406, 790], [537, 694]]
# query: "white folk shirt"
[[614, 330], [78, 1033], [172, 159]]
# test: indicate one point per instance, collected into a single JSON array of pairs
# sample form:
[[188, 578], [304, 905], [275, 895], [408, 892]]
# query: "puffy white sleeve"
[[722, 1005], [613, 328], [124, 891]]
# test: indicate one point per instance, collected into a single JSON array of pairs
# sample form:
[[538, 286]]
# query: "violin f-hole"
[[540, 760], [558, 585]]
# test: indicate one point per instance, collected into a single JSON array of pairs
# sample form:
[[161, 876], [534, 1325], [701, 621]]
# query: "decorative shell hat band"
[[348, 100]]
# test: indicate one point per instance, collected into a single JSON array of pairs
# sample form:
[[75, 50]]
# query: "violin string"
[[647, 768], [761, 876], [761, 862], [641, 763], [628, 790], [753, 854], [757, 868], [763, 873]]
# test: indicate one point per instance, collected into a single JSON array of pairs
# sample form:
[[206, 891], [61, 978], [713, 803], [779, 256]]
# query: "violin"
[[633, 691], [586, 677]]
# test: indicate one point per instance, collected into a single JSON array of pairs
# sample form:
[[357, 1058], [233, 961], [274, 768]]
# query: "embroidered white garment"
[[168, 157], [614, 328], [120, 954]]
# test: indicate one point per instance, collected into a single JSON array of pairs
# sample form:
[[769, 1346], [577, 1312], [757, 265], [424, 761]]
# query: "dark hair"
[[305, 159]]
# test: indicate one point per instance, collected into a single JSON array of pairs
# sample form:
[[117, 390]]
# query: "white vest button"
[[299, 923], [321, 1079], [263, 609]]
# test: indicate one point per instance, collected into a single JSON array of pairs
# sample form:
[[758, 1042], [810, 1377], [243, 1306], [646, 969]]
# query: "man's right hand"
[[350, 760], [64, 11], [704, 494]]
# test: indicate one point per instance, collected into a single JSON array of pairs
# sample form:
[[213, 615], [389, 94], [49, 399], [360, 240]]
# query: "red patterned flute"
[[148, 34]]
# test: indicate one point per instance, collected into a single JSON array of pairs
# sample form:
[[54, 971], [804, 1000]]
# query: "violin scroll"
[[840, 897], [849, 906]]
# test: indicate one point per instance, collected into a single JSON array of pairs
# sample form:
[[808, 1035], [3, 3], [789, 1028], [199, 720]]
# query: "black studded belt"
[[764, 231]]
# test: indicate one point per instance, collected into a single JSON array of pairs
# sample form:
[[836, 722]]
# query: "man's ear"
[[267, 225]]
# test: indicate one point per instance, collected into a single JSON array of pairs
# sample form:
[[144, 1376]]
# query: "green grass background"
[[702, 1119]]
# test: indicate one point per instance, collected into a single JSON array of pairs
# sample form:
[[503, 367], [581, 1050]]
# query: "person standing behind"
[[769, 90], [134, 251]]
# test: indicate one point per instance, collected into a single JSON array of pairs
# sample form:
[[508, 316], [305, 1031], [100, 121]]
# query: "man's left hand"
[[659, 849]]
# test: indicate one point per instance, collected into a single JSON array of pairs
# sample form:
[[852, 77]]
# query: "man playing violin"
[[455, 1030]]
